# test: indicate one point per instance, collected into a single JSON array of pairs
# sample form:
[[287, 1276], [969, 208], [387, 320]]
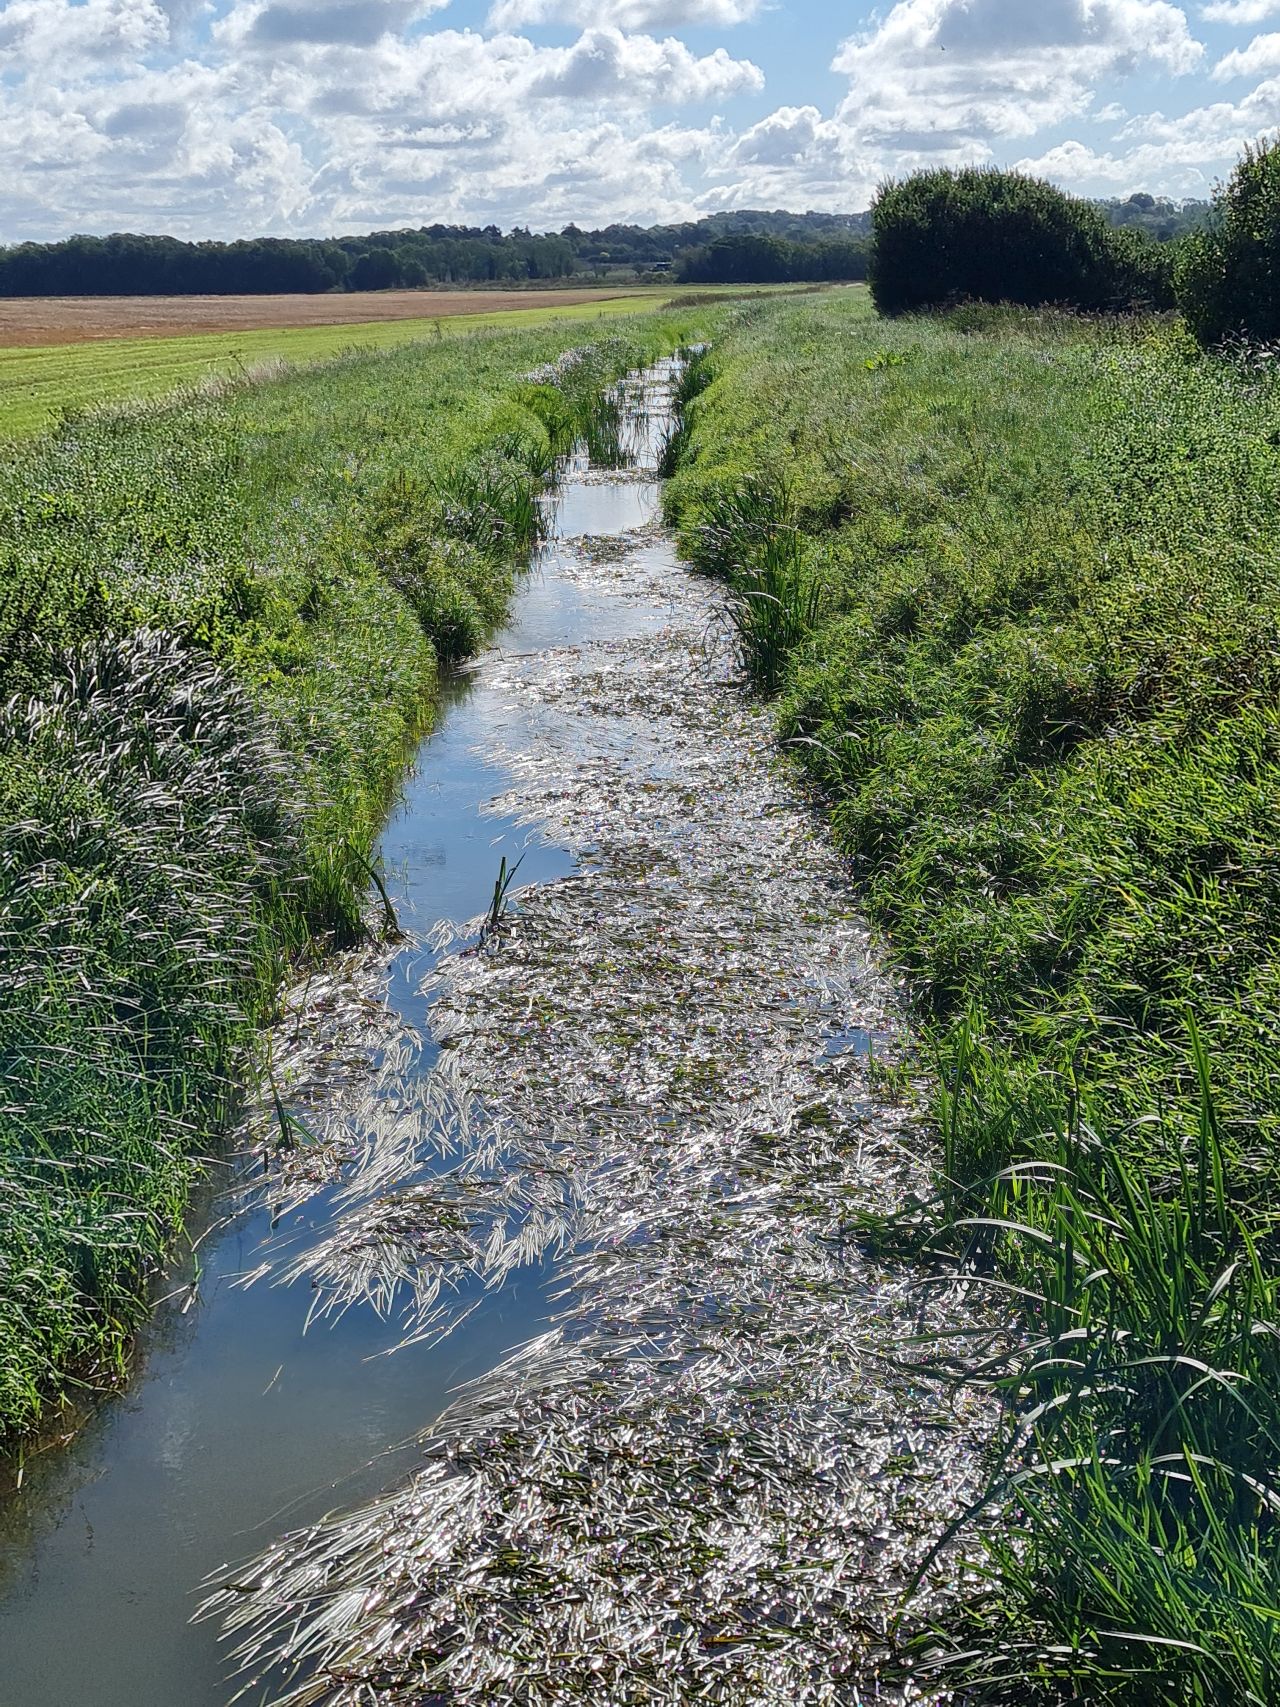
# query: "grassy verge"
[[220, 621], [1016, 584], [40, 385]]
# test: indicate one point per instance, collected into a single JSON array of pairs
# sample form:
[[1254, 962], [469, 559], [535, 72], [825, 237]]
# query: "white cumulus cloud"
[[624, 14], [605, 64], [40, 33], [1239, 11], [946, 73], [1261, 55], [224, 117]]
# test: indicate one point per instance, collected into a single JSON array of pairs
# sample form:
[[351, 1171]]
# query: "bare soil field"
[[42, 321]]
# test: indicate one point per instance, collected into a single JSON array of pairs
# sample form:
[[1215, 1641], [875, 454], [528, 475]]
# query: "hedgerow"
[[992, 236], [220, 625]]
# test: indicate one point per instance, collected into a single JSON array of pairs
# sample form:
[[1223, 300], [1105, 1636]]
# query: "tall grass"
[[1130, 1543], [748, 536], [220, 623], [1040, 699]]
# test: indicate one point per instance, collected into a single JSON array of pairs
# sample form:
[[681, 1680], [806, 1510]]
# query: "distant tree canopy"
[[995, 236], [753, 258], [1228, 277], [746, 246], [129, 265], [1156, 216]]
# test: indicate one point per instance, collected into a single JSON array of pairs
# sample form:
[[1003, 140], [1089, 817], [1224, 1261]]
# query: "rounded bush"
[[981, 234], [1228, 277]]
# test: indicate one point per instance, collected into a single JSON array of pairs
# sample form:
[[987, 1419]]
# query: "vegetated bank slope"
[[1016, 580], [42, 381], [219, 625]]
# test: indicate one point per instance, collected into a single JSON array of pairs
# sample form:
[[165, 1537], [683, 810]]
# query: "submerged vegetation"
[[708, 1476], [1028, 659], [219, 627]]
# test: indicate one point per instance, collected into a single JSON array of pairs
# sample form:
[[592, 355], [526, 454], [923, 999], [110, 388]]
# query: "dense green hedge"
[[1228, 277], [991, 236]]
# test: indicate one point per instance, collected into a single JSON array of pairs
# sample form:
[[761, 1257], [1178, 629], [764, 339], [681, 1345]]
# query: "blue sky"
[[226, 117]]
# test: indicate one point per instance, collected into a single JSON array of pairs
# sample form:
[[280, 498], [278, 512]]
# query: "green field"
[[40, 385]]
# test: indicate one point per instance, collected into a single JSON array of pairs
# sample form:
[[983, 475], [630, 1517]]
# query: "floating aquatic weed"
[[715, 1474]]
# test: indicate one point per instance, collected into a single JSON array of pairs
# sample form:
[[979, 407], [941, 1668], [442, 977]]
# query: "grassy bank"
[[1016, 585], [219, 627], [38, 386]]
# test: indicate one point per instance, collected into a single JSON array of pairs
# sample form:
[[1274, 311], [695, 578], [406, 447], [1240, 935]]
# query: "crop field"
[[61, 356], [47, 320]]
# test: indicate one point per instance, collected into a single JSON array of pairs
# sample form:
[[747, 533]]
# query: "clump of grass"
[[1131, 1547], [501, 901], [603, 431], [693, 379], [151, 832], [748, 535]]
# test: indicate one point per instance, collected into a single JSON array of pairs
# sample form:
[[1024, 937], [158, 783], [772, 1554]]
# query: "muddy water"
[[238, 1423]]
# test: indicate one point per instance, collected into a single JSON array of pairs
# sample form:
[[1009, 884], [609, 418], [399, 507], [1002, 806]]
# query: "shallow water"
[[715, 1473], [237, 1423]]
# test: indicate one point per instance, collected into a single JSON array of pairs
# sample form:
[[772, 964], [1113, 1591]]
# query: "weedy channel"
[[600, 1399], [239, 1421]]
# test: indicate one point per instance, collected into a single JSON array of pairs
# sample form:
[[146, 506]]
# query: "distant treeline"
[[743, 247], [757, 259], [130, 265]]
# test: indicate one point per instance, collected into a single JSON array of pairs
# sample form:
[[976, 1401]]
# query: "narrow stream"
[[657, 1426], [238, 1424]]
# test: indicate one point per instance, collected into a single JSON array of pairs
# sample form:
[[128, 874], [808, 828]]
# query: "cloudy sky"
[[229, 117]]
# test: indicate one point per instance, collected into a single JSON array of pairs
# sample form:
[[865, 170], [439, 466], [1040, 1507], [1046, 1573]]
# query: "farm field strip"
[[39, 384]]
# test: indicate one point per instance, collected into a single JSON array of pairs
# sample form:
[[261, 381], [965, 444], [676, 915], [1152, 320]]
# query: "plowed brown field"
[[48, 320]]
